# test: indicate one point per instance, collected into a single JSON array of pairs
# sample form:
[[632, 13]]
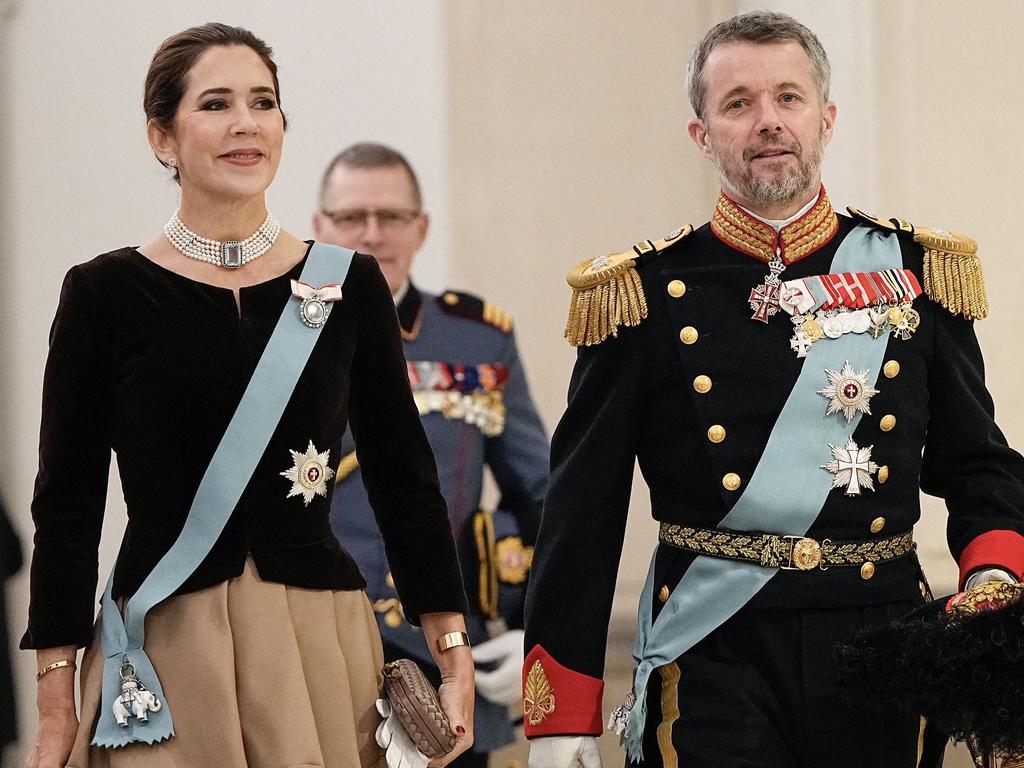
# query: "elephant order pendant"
[[135, 699]]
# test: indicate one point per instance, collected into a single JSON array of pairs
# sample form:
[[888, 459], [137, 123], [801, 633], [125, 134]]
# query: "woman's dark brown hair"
[[167, 78]]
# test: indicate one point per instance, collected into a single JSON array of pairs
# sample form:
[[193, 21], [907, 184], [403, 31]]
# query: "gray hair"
[[755, 27], [369, 155]]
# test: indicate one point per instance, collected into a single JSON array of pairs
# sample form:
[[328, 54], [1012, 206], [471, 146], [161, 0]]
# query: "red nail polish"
[[459, 729]]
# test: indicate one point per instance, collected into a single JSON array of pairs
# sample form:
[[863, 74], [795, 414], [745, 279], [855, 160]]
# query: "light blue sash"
[[784, 495], [230, 469]]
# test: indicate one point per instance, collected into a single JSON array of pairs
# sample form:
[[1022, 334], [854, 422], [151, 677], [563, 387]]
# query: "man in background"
[[471, 391]]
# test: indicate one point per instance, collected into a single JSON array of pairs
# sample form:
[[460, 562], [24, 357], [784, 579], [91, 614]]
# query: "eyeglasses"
[[388, 219]]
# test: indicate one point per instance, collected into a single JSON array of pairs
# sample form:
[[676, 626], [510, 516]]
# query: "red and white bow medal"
[[315, 306]]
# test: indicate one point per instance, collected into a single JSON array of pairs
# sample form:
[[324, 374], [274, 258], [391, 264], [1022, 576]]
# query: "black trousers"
[[759, 692]]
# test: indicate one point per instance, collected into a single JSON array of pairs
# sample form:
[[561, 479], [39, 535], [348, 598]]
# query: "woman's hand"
[[55, 700], [458, 683], [54, 740]]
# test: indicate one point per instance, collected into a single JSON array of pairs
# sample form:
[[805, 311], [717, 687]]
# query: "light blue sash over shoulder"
[[230, 469], [784, 496]]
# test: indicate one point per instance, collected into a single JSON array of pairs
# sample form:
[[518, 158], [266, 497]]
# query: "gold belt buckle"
[[804, 554]]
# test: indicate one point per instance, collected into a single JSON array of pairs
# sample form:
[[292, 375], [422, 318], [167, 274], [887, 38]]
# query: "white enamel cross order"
[[852, 467]]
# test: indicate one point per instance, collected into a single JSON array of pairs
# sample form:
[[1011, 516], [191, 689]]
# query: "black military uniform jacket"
[[152, 364], [693, 391]]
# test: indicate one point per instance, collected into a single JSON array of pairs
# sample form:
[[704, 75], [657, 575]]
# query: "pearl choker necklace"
[[232, 254]]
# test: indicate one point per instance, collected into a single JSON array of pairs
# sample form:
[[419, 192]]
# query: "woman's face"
[[228, 131]]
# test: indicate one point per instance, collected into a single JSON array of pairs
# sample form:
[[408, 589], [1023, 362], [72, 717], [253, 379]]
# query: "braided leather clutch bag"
[[415, 701]]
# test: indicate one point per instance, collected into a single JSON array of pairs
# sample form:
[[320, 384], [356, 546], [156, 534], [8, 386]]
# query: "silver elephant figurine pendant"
[[135, 699]]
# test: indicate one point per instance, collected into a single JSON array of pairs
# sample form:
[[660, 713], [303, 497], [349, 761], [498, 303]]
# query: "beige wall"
[[78, 179], [545, 133]]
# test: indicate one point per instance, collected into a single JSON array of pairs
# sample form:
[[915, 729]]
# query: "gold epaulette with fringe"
[[952, 269], [952, 272], [607, 292]]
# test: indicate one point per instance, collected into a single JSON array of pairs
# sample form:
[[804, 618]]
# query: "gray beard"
[[788, 186]]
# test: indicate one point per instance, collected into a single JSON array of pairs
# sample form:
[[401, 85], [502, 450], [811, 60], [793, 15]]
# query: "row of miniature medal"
[[872, 302], [881, 304]]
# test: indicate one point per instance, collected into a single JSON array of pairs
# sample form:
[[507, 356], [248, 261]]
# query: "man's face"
[[765, 126], [374, 211]]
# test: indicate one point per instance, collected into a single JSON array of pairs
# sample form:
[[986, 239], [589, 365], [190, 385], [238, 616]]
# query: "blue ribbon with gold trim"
[[785, 495], [226, 477]]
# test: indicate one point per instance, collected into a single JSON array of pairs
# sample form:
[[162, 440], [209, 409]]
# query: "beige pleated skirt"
[[257, 675]]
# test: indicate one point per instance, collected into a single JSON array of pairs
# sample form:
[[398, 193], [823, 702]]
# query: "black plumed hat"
[[957, 661]]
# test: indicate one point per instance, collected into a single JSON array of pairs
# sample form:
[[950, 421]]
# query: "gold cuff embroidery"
[[538, 697]]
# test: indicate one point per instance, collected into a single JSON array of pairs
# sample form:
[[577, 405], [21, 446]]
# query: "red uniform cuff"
[[558, 701], [993, 549]]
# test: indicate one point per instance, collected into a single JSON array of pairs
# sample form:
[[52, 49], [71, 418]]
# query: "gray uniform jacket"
[[477, 411]]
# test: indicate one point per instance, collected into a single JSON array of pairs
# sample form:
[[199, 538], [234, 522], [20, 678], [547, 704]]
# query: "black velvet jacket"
[[152, 365]]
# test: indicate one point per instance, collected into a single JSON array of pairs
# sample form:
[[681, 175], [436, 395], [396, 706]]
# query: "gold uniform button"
[[877, 524], [451, 299], [867, 570], [883, 473], [731, 481], [676, 289], [688, 335], [663, 594], [887, 423], [716, 433], [891, 369], [702, 384]]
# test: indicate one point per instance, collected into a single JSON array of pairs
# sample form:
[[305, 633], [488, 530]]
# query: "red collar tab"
[[736, 228]]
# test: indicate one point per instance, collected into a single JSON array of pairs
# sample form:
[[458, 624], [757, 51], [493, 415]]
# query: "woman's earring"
[[172, 161]]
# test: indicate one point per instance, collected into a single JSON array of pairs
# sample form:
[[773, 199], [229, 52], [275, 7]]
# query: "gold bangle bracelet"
[[56, 665], [452, 639]]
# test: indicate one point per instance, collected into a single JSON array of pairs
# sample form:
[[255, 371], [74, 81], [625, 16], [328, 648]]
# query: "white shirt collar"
[[778, 224], [398, 295]]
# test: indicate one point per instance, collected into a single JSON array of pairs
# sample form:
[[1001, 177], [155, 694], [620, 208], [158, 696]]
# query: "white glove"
[[564, 752], [503, 685], [987, 575], [399, 751]]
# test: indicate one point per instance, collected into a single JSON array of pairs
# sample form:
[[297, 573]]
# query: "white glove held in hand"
[[399, 751], [987, 575], [564, 752], [504, 684]]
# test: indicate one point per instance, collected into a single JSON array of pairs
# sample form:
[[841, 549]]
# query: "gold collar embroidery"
[[799, 238]]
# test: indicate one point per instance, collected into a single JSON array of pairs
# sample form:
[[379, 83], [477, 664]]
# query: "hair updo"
[[167, 77]]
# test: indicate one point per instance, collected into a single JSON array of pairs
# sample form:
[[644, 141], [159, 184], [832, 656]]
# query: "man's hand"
[[984, 597], [564, 752], [503, 685], [987, 575]]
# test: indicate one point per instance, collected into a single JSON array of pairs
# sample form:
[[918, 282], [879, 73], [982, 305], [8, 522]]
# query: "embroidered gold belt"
[[790, 553]]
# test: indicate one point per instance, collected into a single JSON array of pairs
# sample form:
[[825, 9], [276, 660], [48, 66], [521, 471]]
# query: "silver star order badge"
[[848, 392], [599, 263], [310, 474], [852, 467]]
